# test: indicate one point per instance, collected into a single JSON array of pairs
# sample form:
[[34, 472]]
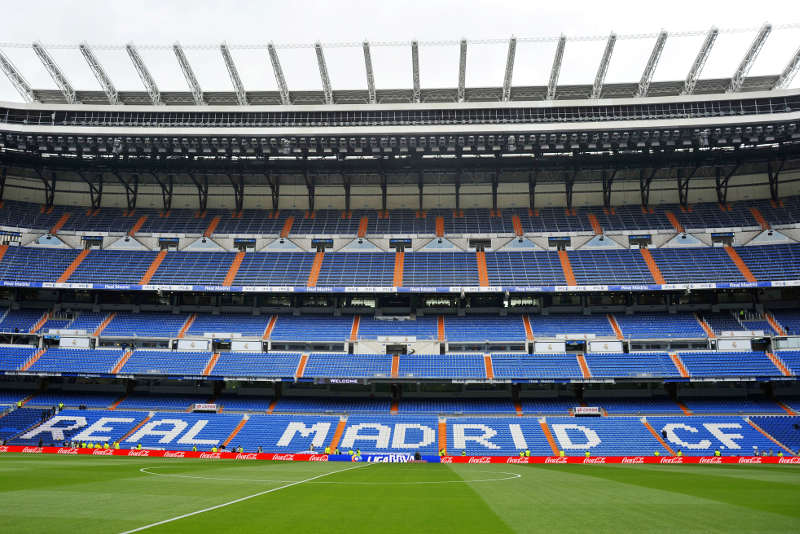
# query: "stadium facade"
[[442, 267]]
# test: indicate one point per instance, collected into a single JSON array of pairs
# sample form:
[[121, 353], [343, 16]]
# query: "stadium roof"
[[241, 96]]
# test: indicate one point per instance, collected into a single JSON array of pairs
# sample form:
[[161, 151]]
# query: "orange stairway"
[[769, 317], [3, 249], [270, 326], [118, 402], [528, 330], [153, 268], [354, 328], [362, 227], [549, 436], [487, 364], [27, 365], [72, 266], [105, 323], [442, 434], [709, 332], [679, 364], [779, 364], [759, 218], [122, 361], [675, 223], [138, 225], [395, 365], [615, 326], [61, 222], [483, 272], [187, 325], [584, 366], [211, 363], [567, 267], [439, 226], [655, 435], [740, 264], [272, 404], [337, 436], [685, 409], [211, 226], [517, 225], [399, 262], [395, 406], [235, 431], [767, 435], [315, 269], [518, 407], [287, 227], [41, 322], [234, 268], [440, 328], [651, 264], [598, 230], [302, 365]]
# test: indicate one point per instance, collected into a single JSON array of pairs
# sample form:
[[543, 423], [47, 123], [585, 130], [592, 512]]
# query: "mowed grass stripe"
[[357, 506], [578, 498]]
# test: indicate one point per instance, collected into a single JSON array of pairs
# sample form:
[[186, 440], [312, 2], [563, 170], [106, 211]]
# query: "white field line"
[[240, 500]]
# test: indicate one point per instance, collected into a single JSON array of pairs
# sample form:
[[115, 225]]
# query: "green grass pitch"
[[63, 495]]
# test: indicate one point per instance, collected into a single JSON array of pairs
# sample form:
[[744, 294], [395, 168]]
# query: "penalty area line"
[[239, 500]]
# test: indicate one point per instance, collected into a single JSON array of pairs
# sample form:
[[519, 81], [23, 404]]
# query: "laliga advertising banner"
[[402, 458]]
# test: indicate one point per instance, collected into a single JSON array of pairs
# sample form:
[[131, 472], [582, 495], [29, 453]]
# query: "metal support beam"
[[644, 185], [683, 184], [52, 69], [652, 63], [772, 172], [49, 186], [533, 178], [144, 75], [569, 185], [310, 185], [276, 68], [202, 189], [602, 70], [462, 71], [373, 98], [608, 181], [495, 180], [512, 52], [384, 186], [95, 189], [188, 73], [3, 182], [787, 75], [166, 189], [556, 70], [131, 188], [17, 80], [100, 73], [323, 74], [459, 167], [238, 189], [241, 95], [415, 72], [420, 180], [345, 184], [739, 75], [274, 182], [699, 62], [722, 183]]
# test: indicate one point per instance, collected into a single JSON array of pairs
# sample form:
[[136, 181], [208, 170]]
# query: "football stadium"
[[503, 308]]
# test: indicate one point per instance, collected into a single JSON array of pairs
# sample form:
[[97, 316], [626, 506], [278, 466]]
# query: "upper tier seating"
[[788, 319], [73, 399], [14, 357], [274, 269], [239, 323], [659, 325], [312, 328], [99, 361], [35, 264], [631, 365], [145, 324], [166, 362], [455, 405], [442, 366], [10, 397], [193, 268], [69, 425], [744, 405], [243, 403], [478, 328], [160, 401], [113, 267], [702, 435], [89, 321], [257, 364], [722, 321], [422, 327], [772, 262], [524, 269], [536, 366], [333, 404], [570, 323], [600, 267], [661, 404], [782, 428], [352, 269], [791, 358], [348, 365], [718, 364], [20, 320], [698, 265], [547, 405], [440, 268]]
